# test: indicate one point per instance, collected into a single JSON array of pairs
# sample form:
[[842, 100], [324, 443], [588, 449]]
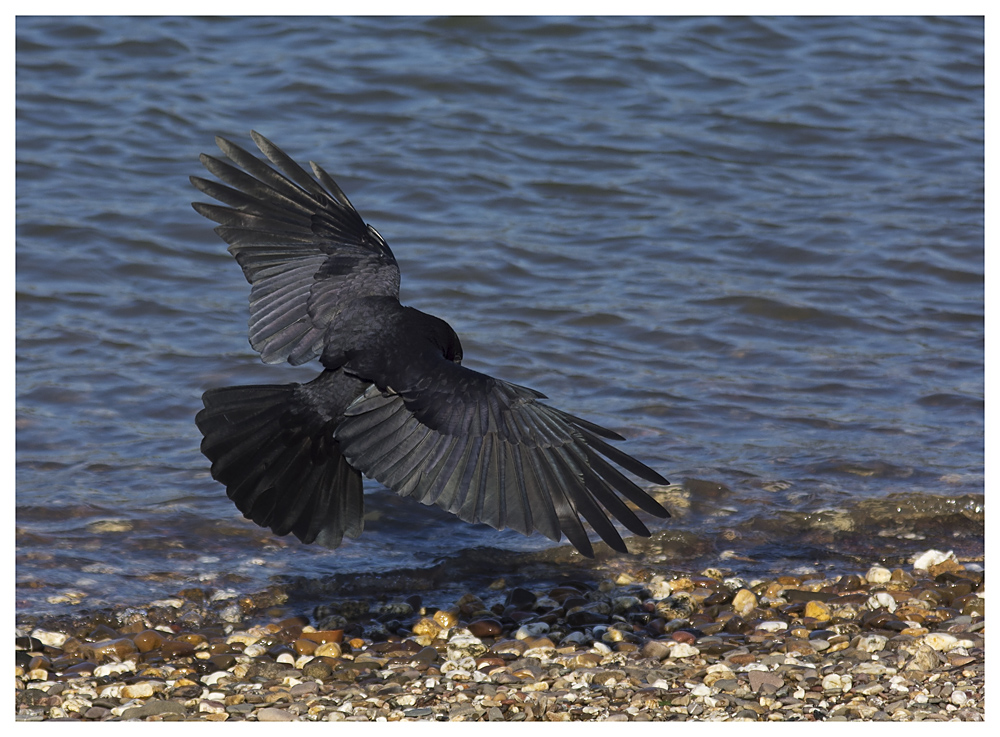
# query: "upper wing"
[[489, 452], [301, 244]]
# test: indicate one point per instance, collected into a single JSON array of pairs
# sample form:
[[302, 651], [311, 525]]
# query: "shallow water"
[[752, 246]]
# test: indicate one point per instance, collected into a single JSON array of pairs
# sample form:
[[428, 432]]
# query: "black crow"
[[393, 401]]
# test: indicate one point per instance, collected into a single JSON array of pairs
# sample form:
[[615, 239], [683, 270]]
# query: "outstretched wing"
[[489, 451], [301, 244]]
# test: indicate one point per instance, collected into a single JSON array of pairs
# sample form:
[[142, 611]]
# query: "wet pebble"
[[638, 647]]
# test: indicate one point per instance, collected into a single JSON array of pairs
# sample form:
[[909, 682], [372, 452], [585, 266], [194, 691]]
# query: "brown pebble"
[[794, 644], [223, 662], [773, 590], [587, 660], [534, 642], [655, 649], [192, 638], [304, 646], [81, 669], [485, 628], [469, 604], [106, 650], [272, 714], [510, 646], [102, 632], [72, 646], [561, 593], [324, 636], [446, 618], [176, 649], [683, 636], [765, 680], [317, 668], [148, 640], [741, 658], [949, 565]]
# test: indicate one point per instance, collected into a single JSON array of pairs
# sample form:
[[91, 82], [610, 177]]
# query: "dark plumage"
[[393, 401]]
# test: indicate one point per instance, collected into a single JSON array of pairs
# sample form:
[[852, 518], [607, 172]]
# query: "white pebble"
[[210, 679], [112, 691], [683, 650], [958, 698], [532, 629], [942, 641], [882, 600], [837, 682], [168, 603], [878, 574], [52, 639], [773, 625], [141, 690], [659, 588], [574, 638], [872, 643], [107, 669], [77, 704], [931, 558], [458, 664], [542, 653], [465, 645]]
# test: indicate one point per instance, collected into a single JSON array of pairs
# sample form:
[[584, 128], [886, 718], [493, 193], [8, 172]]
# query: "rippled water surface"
[[754, 247]]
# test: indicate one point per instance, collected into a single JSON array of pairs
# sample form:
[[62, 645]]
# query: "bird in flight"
[[394, 401]]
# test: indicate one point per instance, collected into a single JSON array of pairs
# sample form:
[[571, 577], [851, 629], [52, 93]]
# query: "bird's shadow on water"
[[476, 570]]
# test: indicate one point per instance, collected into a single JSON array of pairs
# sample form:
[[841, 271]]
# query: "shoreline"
[[903, 644]]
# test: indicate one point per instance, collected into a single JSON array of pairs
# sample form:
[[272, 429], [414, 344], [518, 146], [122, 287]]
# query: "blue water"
[[753, 246]]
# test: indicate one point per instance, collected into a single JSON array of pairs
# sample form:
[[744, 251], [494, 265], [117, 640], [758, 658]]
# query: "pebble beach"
[[899, 644]]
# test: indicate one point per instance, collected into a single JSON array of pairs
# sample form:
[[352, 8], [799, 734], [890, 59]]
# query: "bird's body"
[[393, 401]]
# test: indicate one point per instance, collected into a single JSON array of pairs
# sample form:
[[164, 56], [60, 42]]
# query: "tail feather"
[[274, 450]]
